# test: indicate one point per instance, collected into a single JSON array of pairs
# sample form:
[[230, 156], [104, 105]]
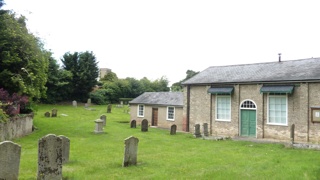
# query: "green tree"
[[177, 86], [58, 81], [23, 60], [111, 76], [85, 71]]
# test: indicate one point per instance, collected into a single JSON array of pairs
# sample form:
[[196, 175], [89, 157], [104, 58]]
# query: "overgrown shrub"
[[11, 105], [99, 97]]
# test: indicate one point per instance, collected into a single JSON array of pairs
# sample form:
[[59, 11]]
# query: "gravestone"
[[197, 131], [205, 129], [130, 151], [99, 126], [104, 119], [86, 105], [9, 160], [89, 101], [173, 129], [50, 157], [74, 104], [109, 108], [144, 125], [47, 114], [133, 124], [65, 148], [54, 113]]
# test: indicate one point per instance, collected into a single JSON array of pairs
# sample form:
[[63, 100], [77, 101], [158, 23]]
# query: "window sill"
[[170, 119], [224, 120], [273, 124]]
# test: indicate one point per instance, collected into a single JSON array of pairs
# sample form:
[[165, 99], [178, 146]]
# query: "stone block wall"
[[16, 127]]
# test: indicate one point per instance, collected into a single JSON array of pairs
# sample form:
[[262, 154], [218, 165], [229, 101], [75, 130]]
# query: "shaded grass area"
[[160, 155]]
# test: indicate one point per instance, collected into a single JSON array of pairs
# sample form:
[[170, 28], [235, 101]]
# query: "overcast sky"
[[155, 38]]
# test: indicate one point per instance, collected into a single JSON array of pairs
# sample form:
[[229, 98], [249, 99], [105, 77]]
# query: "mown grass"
[[160, 155]]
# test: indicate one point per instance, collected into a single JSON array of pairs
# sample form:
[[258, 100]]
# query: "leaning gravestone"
[[144, 125], [104, 119], [205, 129], [74, 104], [130, 151], [9, 160], [133, 124], [50, 157], [65, 148], [109, 108], [197, 131], [99, 126], [173, 129], [54, 113], [47, 114]]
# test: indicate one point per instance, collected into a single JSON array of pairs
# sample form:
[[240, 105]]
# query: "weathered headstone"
[[74, 104], [104, 119], [133, 124], [54, 113], [89, 101], [99, 126], [47, 114], [109, 108], [9, 160], [50, 157], [197, 131], [144, 125], [205, 129], [292, 133], [65, 149], [173, 129], [130, 151], [86, 105]]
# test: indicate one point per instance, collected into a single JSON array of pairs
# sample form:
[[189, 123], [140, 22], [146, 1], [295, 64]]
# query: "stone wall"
[[16, 127]]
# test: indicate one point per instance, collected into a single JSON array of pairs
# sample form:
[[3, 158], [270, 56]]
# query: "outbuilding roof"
[[289, 71], [159, 98]]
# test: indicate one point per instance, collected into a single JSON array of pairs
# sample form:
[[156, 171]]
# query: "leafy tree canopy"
[[23, 60], [177, 86]]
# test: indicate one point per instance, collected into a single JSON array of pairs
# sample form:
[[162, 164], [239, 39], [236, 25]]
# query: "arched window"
[[248, 105]]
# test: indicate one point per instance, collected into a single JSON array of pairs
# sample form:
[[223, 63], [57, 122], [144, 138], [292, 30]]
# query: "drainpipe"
[[210, 114], [188, 108], [262, 125], [308, 111]]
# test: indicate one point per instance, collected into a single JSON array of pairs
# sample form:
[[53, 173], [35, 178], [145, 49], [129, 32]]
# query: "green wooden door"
[[248, 122]]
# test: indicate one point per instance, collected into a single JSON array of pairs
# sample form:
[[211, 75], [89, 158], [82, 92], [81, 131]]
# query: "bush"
[[11, 105], [99, 97]]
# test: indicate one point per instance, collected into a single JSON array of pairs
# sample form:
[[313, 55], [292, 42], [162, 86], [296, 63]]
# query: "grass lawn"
[[160, 155]]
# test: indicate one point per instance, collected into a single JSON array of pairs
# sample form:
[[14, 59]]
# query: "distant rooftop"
[[293, 70], [159, 98]]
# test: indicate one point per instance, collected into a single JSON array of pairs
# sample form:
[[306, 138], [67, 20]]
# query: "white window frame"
[[138, 110], [216, 114], [268, 105], [174, 110]]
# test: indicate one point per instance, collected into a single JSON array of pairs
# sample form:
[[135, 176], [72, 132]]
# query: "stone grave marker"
[[109, 108], [74, 104], [9, 160], [89, 101], [205, 129], [86, 105], [197, 131], [104, 119], [144, 125], [133, 124], [99, 126], [54, 113], [65, 148], [47, 114], [173, 129], [50, 157], [130, 151]]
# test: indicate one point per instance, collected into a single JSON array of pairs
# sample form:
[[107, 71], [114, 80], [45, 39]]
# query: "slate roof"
[[159, 98], [289, 71]]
